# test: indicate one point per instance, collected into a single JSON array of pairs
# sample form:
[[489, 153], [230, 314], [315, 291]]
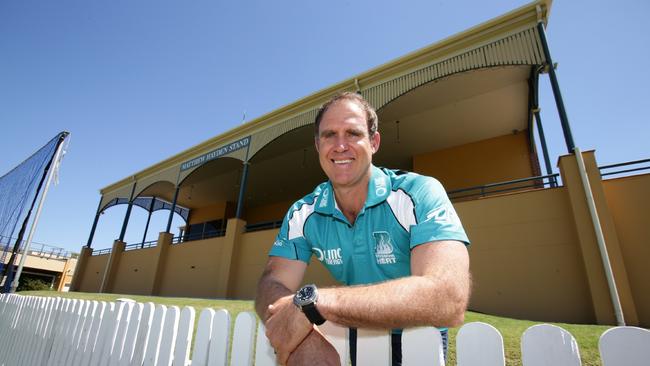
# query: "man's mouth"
[[346, 161]]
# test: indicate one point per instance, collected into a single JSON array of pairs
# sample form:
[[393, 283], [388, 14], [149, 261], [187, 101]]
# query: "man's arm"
[[288, 330], [281, 277], [436, 294]]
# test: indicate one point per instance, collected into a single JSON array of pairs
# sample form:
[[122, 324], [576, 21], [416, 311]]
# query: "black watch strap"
[[313, 314]]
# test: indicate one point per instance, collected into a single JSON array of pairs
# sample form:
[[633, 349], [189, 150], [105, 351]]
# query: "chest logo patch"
[[384, 248], [331, 257]]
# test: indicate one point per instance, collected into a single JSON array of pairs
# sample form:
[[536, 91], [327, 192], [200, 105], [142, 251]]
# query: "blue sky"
[[138, 81]]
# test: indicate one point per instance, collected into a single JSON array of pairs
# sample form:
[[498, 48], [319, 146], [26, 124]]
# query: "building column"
[[64, 274], [112, 264], [161, 250], [588, 244], [80, 269], [234, 230]]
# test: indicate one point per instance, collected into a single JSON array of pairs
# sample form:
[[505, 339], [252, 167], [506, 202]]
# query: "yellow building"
[[463, 110]]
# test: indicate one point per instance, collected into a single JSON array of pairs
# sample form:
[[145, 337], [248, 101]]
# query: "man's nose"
[[341, 143]]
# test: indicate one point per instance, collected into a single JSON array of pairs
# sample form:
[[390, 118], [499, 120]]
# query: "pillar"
[[588, 245], [161, 250], [111, 266], [80, 268]]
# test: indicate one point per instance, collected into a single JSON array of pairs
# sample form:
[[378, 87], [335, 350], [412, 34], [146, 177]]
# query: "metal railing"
[[541, 181], [200, 236], [37, 249], [611, 166], [264, 225], [143, 245], [101, 251]]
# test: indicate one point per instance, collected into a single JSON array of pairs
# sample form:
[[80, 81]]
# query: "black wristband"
[[312, 313]]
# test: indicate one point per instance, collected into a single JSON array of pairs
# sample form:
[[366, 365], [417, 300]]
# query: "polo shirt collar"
[[379, 188]]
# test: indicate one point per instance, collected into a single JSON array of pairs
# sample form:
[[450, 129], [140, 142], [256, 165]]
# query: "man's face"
[[344, 147]]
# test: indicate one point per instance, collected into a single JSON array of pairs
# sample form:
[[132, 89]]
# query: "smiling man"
[[393, 238]]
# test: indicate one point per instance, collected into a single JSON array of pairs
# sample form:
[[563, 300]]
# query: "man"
[[392, 238]]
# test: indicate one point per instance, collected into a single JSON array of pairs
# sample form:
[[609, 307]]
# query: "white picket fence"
[[56, 331]]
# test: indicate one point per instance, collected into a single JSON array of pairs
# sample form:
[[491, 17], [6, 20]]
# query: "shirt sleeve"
[[290, 243], [436, 218]]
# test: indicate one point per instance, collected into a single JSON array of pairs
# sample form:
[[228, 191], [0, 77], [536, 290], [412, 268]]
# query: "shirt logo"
[[384, 248], [323, 200], [331, 257], [380, 186], [278, 243], [444, 214]]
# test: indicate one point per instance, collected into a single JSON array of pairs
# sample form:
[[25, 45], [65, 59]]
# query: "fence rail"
[[55, 331], [611, 166]]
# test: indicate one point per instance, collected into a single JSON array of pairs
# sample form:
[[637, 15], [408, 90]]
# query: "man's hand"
[[286, 327]]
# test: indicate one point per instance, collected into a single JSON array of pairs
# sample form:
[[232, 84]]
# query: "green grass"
[[586, 335]]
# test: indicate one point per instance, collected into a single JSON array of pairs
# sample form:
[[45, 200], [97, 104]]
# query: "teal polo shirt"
[[402, 211]]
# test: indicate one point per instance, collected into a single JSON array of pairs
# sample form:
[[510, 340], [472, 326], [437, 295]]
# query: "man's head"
[[371, 115], [346, 139]]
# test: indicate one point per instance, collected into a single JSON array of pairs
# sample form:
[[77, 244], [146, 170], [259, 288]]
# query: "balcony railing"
[[542, 181], [101, 251], [264, 225], [609, 169], [144, 245], [199, 236]]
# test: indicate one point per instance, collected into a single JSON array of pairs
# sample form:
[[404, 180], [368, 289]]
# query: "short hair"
[[371, 116]]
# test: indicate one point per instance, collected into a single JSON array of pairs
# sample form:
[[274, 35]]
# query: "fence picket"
[[546, 344], [373, 347], [82, 339], [202, 339], [479, 343], [219, 339], [264, 353], [184, 337], [45, 347], [22, 330], [422, 346], [94, 335], [243, 338], [168, 339], [120, 332], [625, 346], [143, 338], [151, 353], [131, 333]]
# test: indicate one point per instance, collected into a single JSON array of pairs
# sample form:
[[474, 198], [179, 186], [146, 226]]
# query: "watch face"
[[306, 295]]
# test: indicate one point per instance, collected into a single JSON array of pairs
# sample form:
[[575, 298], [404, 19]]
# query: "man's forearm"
[[407, 302], [268, 291], [435, 296]]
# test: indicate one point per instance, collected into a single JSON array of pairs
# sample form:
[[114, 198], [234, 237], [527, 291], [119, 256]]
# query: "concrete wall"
[[191, 269], [629, 201], [135, 272], [525, 259], [498, 159]]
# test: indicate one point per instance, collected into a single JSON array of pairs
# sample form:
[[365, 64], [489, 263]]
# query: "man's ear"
[[375, 141], [316, 143]]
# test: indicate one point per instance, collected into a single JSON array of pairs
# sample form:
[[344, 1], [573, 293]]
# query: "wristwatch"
[[305, 299]]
